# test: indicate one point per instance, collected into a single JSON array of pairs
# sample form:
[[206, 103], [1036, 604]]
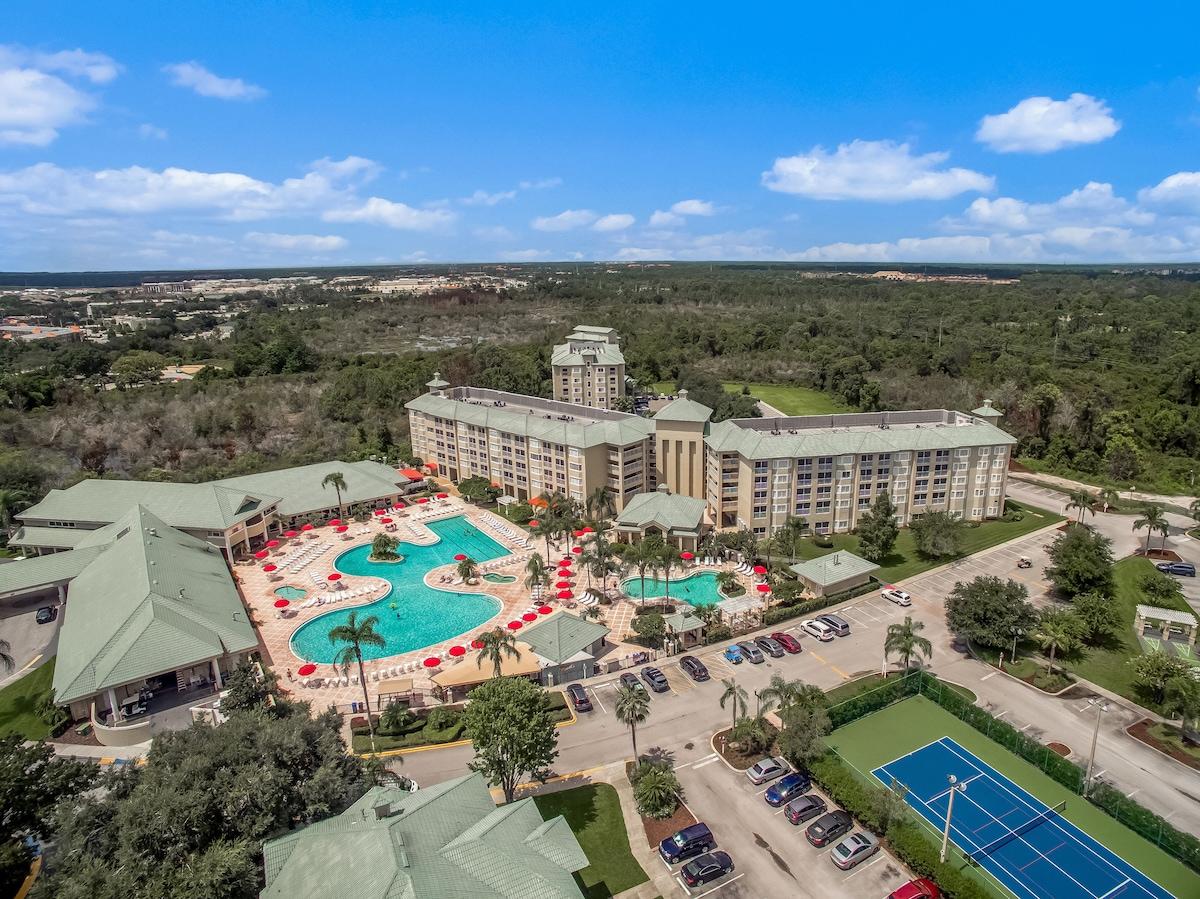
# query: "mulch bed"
[[73, 739], [1060, 748], [657, 831], [738, 759], [1141, 731], [1161, 555]]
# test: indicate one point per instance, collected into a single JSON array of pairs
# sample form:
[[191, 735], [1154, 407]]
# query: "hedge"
[[799, 610]]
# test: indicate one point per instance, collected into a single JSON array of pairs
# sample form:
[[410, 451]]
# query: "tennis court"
[[1026, 845]]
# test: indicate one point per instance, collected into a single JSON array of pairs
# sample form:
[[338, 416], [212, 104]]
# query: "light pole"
[[955, 787], [1016, 632], [1101, 708]]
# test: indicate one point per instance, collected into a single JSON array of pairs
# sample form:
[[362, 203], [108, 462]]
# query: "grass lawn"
[[419, 733], [899, 729], [850, 689], [594, 814], [1108, 666], [788, 400], [18, 702], [904, 560]]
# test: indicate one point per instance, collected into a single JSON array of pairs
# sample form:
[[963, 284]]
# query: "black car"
[[706, 868], [694, 667], [630, 680], [769, 646], [46, 614], [687, 843], [829, 827], [655, 679], [752, 653], [579, 698], [804, 808]]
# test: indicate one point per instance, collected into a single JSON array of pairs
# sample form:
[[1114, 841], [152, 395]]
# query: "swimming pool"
[[423, 616], [698, 589], [499, 578], [290, 593]]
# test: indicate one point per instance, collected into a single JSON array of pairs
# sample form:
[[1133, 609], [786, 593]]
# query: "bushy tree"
[[138, 367], [1161, 589], [987, 610], [1152, 672], [512, 730], [1081, 561], [877, 529], [656, 791], [1099, 616], [804, 726], [477, 489], [650, 627], [937, 535]]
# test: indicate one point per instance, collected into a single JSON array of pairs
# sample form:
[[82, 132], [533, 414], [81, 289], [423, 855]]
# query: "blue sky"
[[138, 135]]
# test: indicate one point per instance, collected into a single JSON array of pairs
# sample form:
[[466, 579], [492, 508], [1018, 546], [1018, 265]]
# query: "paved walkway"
[[1069, 485]]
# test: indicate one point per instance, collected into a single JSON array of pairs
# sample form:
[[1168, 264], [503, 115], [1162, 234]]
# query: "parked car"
[[46, 614], [804, 808], [766, 769], [695, 669], [818, 629], [656, 680], [829, 827], [836, 623], [1182, 569], [787, 641], [896, 595], [751, 652], [687, 843], [852, 850], [579, 698], [1024, 562], [706, 868], [733, 655], [769, 646], [921, 888], [787, 788], [630, 680]]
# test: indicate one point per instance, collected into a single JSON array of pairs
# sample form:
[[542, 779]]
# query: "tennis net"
[[1018, 831]]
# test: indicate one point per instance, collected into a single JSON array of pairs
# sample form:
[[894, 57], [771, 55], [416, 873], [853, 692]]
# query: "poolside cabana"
[[834, 573], [677, 519], [684, 629], [398, 688]]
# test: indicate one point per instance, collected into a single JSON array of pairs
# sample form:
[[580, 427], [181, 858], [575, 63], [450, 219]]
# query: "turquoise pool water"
[[698, 589], [499, 578], [292, 593], [423, 616]]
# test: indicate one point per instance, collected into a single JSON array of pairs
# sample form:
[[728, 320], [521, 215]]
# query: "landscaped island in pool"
[[423, 616], [699, 589]]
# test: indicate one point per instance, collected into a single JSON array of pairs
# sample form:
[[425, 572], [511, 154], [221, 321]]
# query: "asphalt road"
[[30, 643]]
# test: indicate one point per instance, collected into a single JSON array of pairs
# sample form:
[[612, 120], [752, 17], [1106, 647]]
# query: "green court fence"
[[1138, 818]]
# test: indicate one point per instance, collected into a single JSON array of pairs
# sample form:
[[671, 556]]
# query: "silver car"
[[853, 849], [767, 769]]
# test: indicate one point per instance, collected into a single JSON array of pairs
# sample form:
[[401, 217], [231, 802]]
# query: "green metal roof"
[[604, 353], [39, 572], [52, 538], [679, 622], [987, 411], [833, 568], [563, 636], [447, 841], [683, 409], [153, 600], [672, 512], [728, 437], [300, 489]]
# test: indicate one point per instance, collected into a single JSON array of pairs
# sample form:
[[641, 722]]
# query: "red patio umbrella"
[[422, 499], [385, 521], [399, 506], [577, 549], [334, 577], [290, 534], [544, 610], [307, 526], [261, 554], [477, 644], [565, 594], [580, 533], [432, 662], [306, 669], [687, 556], [459, 557], [282, 603], [563, 585], [268, 568], [533, 522], [529, 616], [760, 569], [763, 588], [447, 495], [565, 560], [334, 522], [342, 528], [271, 544], [515, 625], [379, 512], [588, 530], [457, 651]]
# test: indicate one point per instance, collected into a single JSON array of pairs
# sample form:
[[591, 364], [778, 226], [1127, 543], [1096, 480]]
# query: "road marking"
[[1025, 728], [714, 889], [817, 657], [879, 856], [989, 674], [1130, 795], [707, 761], [598, 702], [1002, 714]]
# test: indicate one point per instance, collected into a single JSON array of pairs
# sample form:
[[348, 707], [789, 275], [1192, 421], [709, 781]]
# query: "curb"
[[712, 741], [1126, 730]]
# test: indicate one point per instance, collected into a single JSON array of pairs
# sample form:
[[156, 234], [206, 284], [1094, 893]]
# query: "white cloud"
[[1042, 125], [378, 211], [1094, 204], [196, 77], [352, 168], [146, 131], [97, 68], [872, 170], [1180, 190], [483, 198], [309, 243], [693, 207], [617, 221], [34, 105], [564, 221], [662, 219], [540, 184]]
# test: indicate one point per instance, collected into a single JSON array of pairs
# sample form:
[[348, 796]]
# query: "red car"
[[787, 641], [921, 888]]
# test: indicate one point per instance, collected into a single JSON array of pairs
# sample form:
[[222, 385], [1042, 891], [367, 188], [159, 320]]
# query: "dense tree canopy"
[[990, 611]]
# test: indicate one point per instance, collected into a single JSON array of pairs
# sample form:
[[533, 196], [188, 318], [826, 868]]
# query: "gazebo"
[[1170, 625]]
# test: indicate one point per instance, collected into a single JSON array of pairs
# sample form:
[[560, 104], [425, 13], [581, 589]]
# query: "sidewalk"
[[1068, 485], [104, 755]]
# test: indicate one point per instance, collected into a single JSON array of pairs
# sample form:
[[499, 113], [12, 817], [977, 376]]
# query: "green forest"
[[1098, 373]]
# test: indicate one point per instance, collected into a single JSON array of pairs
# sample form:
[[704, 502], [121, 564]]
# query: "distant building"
[[589, 368], [13, 329]]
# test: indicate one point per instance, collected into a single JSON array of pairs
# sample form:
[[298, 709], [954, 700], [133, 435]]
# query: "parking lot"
[[771, 856], [31, 643]]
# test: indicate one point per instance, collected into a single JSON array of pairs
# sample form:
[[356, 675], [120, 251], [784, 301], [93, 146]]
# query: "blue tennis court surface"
[[1027, 846]]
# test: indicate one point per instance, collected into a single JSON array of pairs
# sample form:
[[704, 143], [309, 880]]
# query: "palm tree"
[[668, 557], [727, 581], [784, 693], [905, 641], [591, 612], [1194, 510], [1082, 501], [1108, 496], [1057, 632], [1152, 520], [497, 643], [546, 528], [7, 662], [336, 480], [791, 530], [642, 556], [11, 502], [468, 570], [736, 695], [357, 634], [632, 708], [600, 503], [535, 571]]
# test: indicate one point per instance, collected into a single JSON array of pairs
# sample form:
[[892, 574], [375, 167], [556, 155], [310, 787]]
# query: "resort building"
[[237, 515], [589, 369], [446, 840], [834, 573], [752, 473], [678, 520], [566, 646]]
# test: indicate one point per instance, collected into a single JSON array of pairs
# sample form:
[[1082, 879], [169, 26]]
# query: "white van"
[[818, 629]]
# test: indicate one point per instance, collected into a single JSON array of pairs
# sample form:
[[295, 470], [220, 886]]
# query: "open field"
[[788, 400], [899, 729]]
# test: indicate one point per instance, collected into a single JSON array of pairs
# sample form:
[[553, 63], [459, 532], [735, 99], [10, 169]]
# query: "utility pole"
[[955, 787], [1101, 708]]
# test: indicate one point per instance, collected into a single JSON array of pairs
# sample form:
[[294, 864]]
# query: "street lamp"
[[1017, 633], [955, 787], [1101, 707]]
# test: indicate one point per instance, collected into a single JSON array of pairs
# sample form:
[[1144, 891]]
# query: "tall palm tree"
[[784, 693], [7, 662], [11, 502], [1057, 632], [668, 558], [497, 643], [535, 571], [1152, 520], [1108, 496], [545, 528], [600, 503], [1182, 698], [337, 481], [357, 634], [642, 556], [1083, 502], [905, 640], [727, 581], [468, 570], [791, 530], [736, 695], [631, 709]]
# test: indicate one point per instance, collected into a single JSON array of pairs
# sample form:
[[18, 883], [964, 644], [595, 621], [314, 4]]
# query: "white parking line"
[[596, 696], [709, 761], [713, 890], [879, 856], [711, 757]]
